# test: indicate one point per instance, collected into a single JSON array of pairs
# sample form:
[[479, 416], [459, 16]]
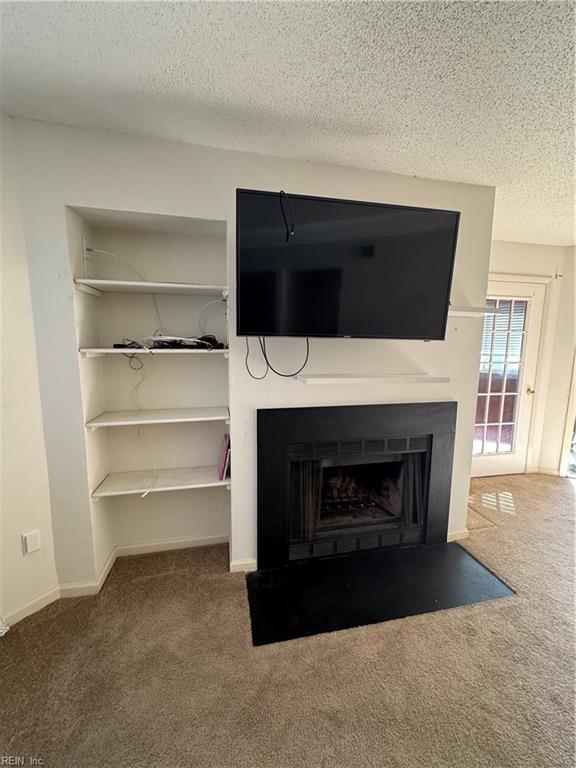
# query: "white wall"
[[26, 581], [558, 335], [63, 166]]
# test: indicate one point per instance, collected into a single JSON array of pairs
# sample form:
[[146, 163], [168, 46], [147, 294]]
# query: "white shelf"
[[472, 311], [158, 416], [99, 351], [98, 287], [353, 378], [183, 478]]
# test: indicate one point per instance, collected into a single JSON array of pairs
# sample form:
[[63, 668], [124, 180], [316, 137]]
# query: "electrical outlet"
[[31, 541]]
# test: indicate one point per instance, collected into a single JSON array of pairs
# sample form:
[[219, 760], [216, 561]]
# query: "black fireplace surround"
[[335, 480]]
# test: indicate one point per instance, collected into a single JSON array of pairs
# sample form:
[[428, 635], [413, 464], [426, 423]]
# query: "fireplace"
[[346, 496], [335, 480]]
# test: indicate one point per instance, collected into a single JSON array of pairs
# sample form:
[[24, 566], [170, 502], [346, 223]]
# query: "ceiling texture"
[[479, 92]]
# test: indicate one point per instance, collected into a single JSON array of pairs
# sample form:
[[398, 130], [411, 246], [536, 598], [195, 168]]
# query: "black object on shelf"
[[207, 343]]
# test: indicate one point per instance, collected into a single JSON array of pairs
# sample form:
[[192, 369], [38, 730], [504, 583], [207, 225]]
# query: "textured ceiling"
[[477, 91]]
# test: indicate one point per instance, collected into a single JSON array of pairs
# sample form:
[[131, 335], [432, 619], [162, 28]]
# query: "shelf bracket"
[[88, 289]]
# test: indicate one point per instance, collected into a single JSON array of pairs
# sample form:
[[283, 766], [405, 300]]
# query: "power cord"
[[262, 341], [203, 310], [258, 378], [289, 227], [140, 275], [149, 446], [269, 366]]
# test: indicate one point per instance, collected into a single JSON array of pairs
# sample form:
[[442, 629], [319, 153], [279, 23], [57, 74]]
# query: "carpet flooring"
[[159, 668]]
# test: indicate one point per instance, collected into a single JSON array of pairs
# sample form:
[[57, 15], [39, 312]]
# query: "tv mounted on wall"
[[314, 266]]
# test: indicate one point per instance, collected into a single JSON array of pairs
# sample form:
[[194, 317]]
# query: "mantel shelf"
[[97, 287], [353, 378], [140, 482], [472, 311], [158, 416], [99, 351]]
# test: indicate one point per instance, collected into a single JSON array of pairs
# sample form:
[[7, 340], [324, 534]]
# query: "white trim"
[[568, 425], [242, 566], [81, 588], [458, 535], [166, 545], [543, 371], [543, 471], [545, 288], [32, 606], [84, 588]]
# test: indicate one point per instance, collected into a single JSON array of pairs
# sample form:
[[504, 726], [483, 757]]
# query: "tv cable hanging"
[[285, 200], [269, 366]]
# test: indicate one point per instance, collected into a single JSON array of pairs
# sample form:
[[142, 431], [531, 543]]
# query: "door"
[[506, 384]]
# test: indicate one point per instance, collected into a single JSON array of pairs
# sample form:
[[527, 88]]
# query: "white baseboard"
[[165, 545], [84, 588], [543, 471], [32, 606], [458, 535]]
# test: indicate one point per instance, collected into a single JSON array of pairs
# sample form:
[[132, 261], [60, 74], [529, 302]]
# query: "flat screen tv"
[[313, 266]]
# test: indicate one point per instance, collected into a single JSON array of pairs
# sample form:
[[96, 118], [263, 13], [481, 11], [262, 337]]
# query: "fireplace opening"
[[361, 494], [342, 502]]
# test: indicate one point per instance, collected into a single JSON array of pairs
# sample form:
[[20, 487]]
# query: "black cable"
[[258, 378], [262, 341], [134, 362], [289, 228]]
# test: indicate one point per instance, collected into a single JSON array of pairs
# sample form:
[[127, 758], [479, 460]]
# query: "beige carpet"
[[477, 521], [158, 670]]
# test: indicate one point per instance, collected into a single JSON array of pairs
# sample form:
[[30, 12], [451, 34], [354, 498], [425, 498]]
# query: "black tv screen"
[[313, 266]]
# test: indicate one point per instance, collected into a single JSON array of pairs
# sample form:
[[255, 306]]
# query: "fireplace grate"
[[351, 448], [371, 540]]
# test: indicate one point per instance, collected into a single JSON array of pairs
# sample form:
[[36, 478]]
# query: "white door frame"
[[569, 426], [546, 349], [551, 284]]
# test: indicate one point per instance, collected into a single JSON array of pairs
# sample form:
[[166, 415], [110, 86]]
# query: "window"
[[503, 344]]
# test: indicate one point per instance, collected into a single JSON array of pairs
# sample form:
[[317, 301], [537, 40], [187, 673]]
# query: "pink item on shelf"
[[224, 457]]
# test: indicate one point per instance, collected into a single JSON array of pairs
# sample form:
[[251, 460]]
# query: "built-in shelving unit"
[[352, 378], [158, 426], [159, 481], [99, 351], [472, 311], [97, 287], [158, 416]]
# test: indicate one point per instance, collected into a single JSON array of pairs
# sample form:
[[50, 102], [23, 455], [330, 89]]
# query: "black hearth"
[[352, 520], [344, 479]]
